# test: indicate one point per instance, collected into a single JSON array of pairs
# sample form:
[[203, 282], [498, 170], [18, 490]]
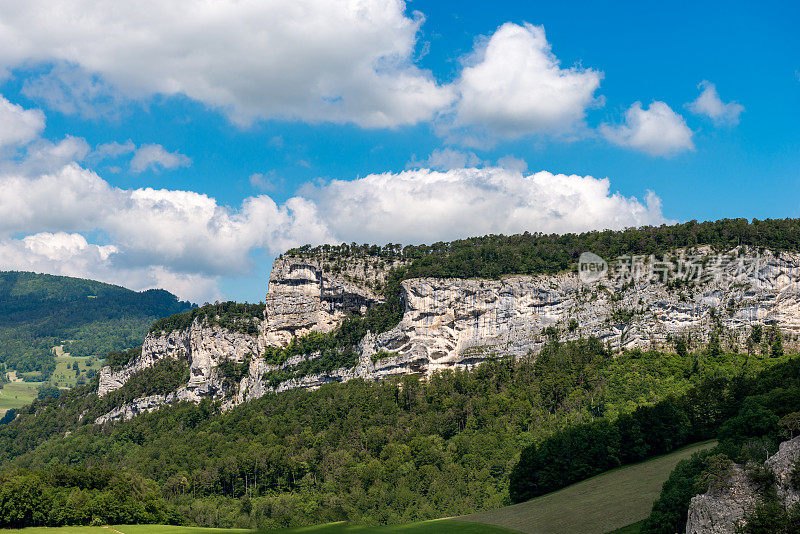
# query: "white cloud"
[[71, 90], [17, 125], [658, 130], [514, 85], [154, 156], [71, 255], [315, 60], [710, 104], [113, 150], [447, 158], [425, 206], [184, 236]]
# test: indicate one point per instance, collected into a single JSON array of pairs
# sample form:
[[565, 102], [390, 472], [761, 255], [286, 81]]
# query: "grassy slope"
[[601, 504], [64, 376], [426, 527], [17, 395]]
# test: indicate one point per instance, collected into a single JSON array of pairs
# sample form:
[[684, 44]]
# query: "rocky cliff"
[[449, 323], [723, 510]]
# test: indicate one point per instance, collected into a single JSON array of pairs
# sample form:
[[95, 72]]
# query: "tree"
[[791, 422]]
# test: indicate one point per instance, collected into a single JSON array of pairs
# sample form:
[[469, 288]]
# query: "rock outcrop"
[[723, 509], [315, 294], [457, 323]]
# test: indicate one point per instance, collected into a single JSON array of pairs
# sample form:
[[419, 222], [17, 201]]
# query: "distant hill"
[[40, 311]]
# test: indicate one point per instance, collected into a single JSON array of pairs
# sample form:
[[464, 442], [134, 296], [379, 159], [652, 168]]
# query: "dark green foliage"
[[234, 316], [41, 311], [233, 372], [78, 496], [371, 452], [163, 377], [492, 256], [736, 410], [747, 436], [669, 511], [48, 391], [120, 358]]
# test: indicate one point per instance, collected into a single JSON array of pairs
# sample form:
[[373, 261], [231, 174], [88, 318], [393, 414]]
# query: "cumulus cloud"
[[657, 130], [184, 240], [17, 125], [71, 255], [514, 85], [73, 91], [154, 156], [424, 205], [316, 60], [710, 105]]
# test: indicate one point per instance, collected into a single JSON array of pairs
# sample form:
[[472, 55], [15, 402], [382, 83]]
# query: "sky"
[[186, 144]]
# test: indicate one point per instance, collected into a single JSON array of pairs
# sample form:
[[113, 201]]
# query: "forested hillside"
[[371, 452], [40, 311]]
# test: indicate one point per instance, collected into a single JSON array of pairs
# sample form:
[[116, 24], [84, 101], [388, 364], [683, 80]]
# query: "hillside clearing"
[[17, 394], [598, 505]]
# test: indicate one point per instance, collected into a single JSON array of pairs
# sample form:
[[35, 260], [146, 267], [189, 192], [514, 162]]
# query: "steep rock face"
[[457, 323], [721, 510], [452, 323], [204, 347], [782, 465], [315, 294]]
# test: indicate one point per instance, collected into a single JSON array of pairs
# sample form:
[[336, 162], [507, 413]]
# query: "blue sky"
[[243, 129]]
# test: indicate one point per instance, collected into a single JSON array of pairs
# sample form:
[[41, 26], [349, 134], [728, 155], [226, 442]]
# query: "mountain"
[[84, 318], [393, 384], [332, 314]]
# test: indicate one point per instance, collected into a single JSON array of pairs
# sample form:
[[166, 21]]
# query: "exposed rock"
[[305, 294], [782, 465], [721, 510], [456, 323]]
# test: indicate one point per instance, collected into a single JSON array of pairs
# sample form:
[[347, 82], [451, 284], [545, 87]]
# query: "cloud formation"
[[154, 157], [657, 130], [513, 85], [17, 125], [314, 60], [57, 216], [710, 105]]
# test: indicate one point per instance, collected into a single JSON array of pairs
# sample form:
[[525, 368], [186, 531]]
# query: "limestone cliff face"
[[203, 347], [315, 293], [456, 323], [723, 510]]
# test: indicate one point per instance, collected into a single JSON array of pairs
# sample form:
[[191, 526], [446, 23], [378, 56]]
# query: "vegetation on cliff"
[[240, 317], [372, 452], [492, 256]]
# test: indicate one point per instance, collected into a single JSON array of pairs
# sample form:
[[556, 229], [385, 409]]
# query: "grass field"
[[65, 375], [17, 395], [426, 527], [602, 504]]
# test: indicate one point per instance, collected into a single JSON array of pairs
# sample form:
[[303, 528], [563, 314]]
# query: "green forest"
[[369, 452], [88, 318], [402, 449]]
